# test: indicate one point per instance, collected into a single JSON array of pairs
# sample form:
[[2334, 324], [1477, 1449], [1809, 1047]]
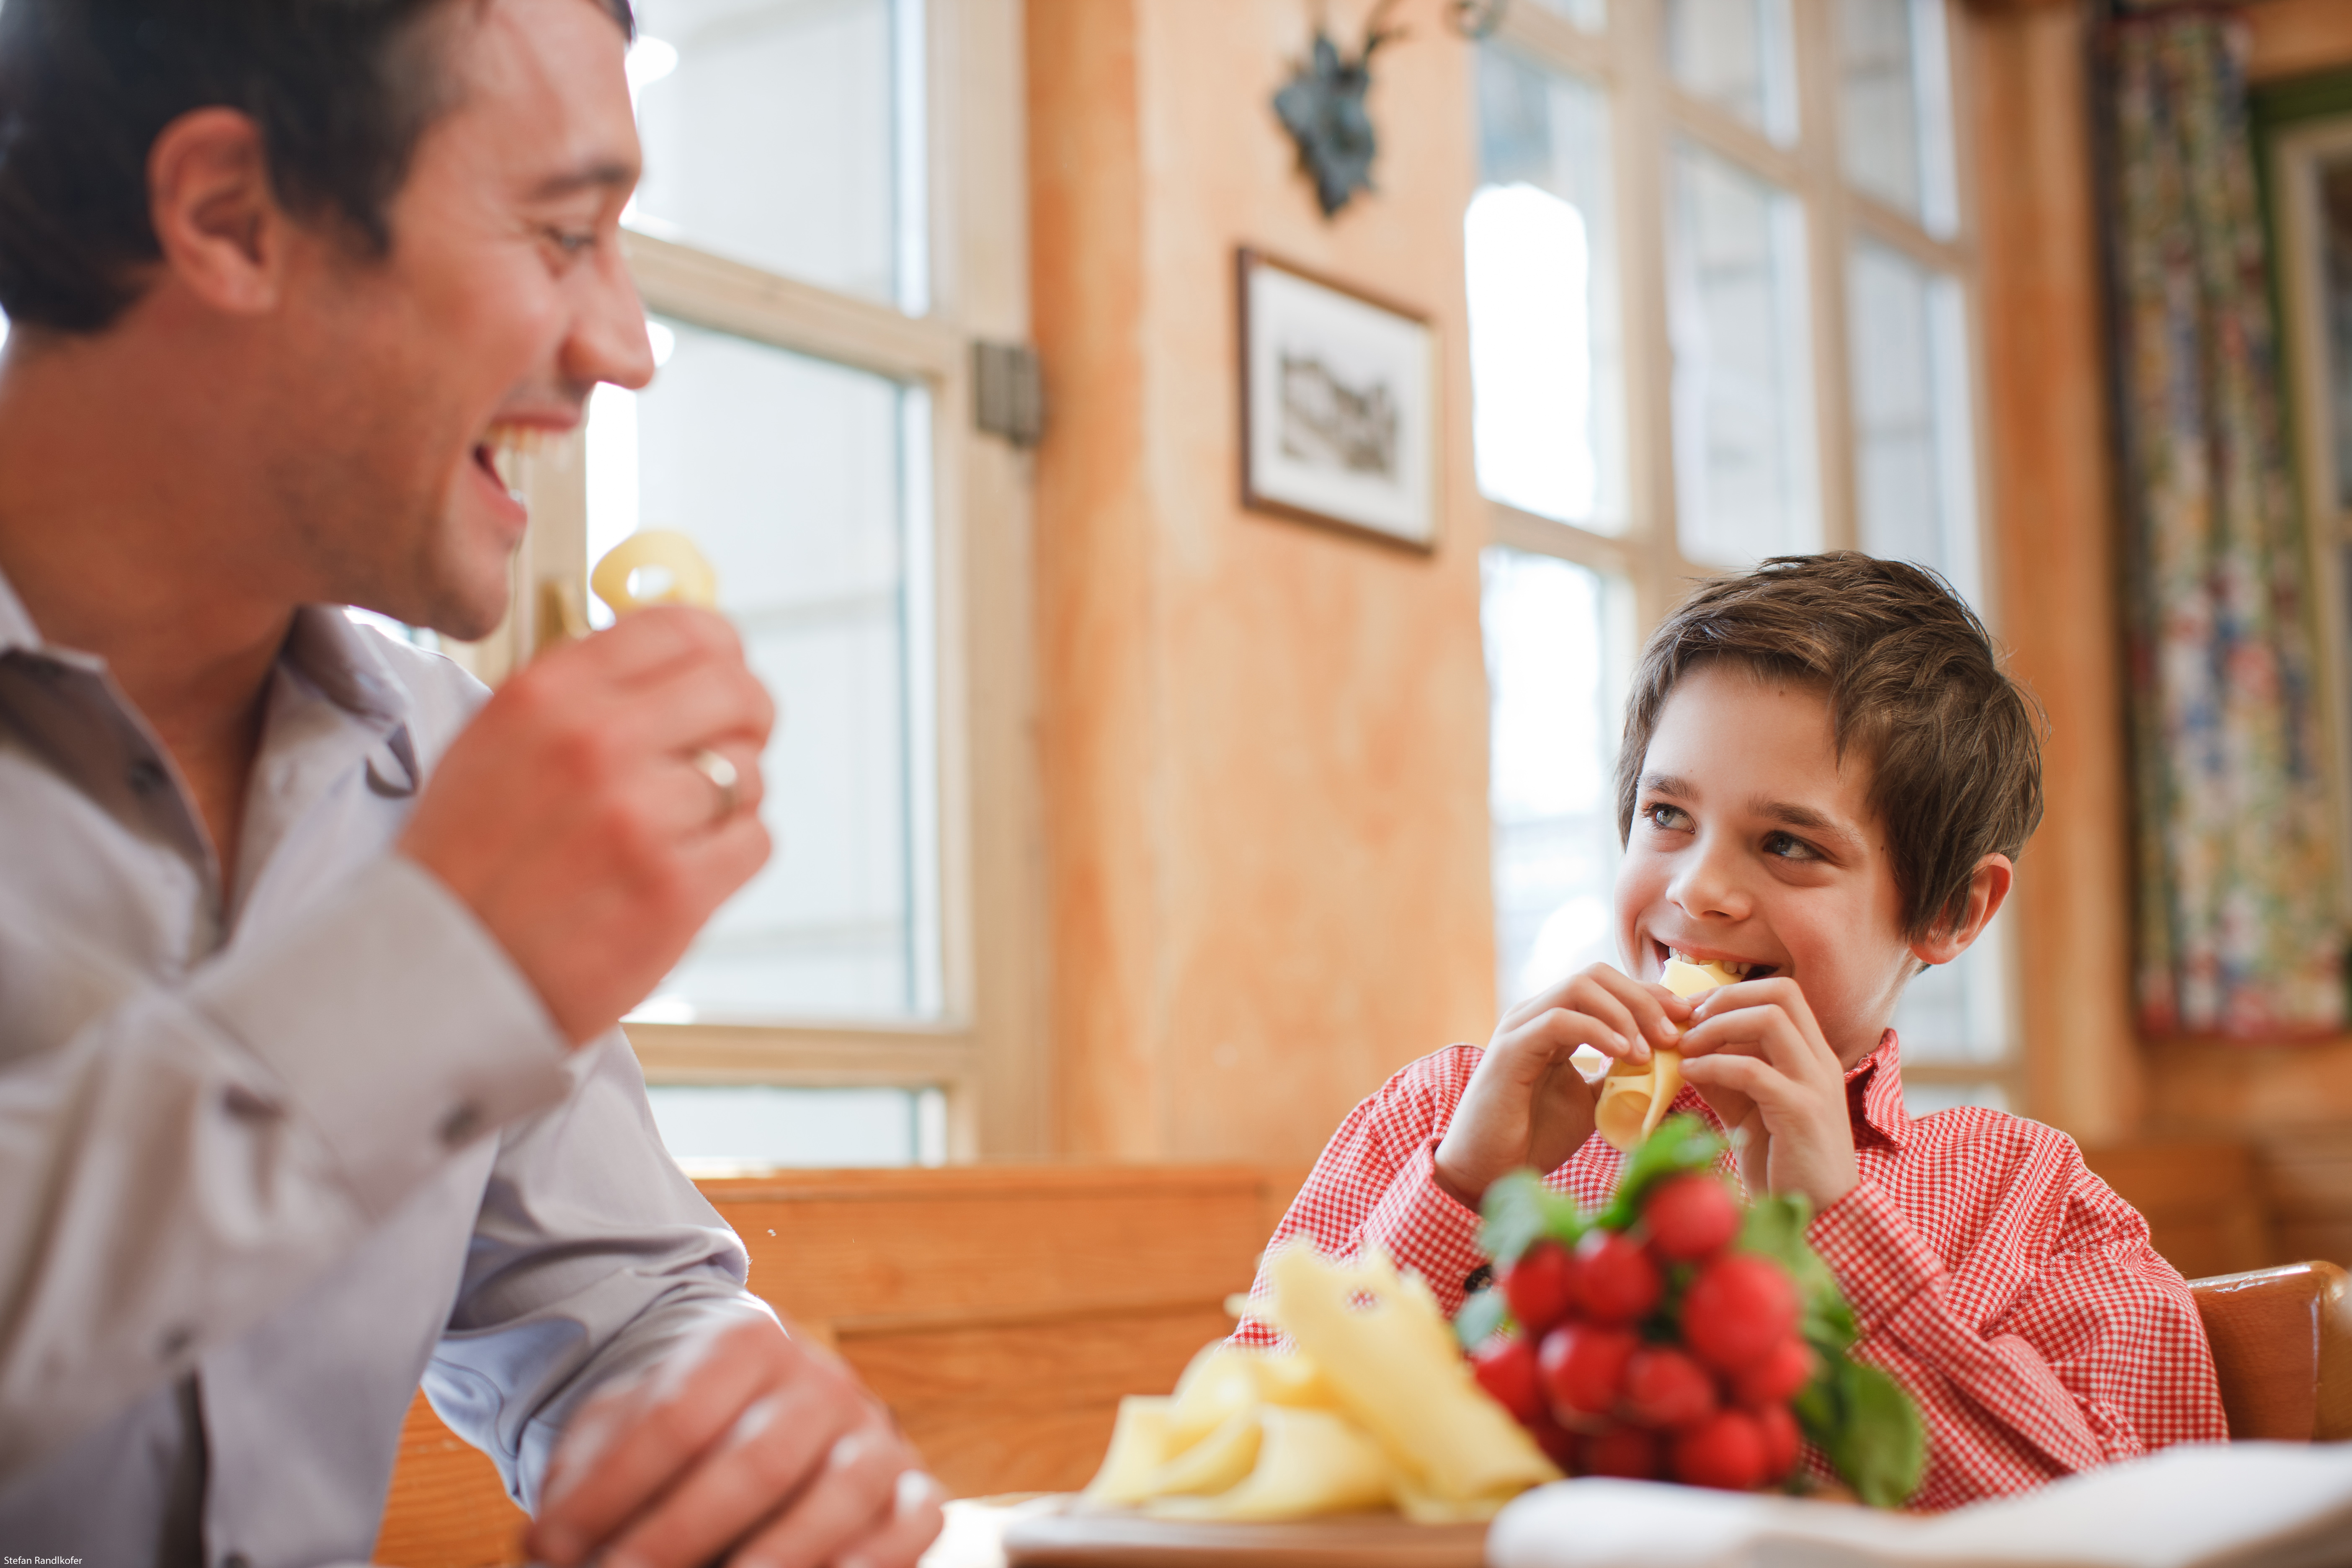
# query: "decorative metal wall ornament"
[[1476, 19], [1322, 106]]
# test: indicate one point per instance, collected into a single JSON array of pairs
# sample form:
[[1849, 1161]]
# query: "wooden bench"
[[1000, 1313]]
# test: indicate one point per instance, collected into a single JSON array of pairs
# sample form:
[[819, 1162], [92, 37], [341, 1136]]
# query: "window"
[[1719, 296], [816, 178]]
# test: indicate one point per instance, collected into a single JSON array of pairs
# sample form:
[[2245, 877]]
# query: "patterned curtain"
[[2240, 929]]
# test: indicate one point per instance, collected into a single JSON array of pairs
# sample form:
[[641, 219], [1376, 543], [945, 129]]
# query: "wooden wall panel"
[[2296, 38], [2051, 510], [2307, 1179], [2202, 1202]]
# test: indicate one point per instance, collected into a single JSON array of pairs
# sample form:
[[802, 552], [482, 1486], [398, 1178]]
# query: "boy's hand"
[[1759, 1060], [1527, 1104]]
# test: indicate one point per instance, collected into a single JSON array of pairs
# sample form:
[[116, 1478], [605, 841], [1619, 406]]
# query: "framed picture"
[[1339, 405]]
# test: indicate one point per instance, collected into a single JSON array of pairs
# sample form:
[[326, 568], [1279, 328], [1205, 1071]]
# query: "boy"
[[1825, 780]]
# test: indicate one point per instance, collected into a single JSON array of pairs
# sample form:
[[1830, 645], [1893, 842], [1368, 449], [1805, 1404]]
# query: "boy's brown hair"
[[1912, 679]]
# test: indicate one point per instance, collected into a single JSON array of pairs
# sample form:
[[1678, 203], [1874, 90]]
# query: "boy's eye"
[[1789, 847], [1670, 817], [570, 242]]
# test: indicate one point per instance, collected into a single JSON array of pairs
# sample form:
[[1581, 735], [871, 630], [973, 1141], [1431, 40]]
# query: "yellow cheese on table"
[[1310, 1462], [1138, 1447], [1399, 1376], [1216, 1462]]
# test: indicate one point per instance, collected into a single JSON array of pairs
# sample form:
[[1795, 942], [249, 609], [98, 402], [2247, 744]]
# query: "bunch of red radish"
[[1657, 1353]]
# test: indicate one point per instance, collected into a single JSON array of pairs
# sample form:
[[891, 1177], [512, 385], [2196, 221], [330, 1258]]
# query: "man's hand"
[[1759, 1060], [1527, 1104], [571, 817], [745, 1447]]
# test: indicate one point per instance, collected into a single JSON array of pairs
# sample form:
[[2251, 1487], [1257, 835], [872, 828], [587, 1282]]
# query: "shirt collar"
[[1873, 1094], [343, 660]]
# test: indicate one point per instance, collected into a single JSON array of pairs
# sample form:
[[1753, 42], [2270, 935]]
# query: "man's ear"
[[1989, 885], [218, 222]]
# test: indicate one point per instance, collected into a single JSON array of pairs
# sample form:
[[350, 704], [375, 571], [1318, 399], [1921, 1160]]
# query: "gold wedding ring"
[[720, 772]]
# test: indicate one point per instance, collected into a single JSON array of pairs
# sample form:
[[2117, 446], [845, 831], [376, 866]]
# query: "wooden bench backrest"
[[1002, 1313], [2202, 1200], [2281, 1343]]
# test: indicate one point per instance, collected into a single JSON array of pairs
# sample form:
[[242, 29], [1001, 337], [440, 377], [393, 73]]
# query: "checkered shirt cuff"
[[1420, 1224], [1880, 1258]]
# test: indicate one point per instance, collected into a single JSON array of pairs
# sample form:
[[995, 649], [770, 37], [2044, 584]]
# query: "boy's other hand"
[[1759, 1058], [1527, 1104]]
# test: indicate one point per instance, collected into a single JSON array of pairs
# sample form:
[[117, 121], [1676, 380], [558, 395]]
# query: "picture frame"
[[1338, 405]]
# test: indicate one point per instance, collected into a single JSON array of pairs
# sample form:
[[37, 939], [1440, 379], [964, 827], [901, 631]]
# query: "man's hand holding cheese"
[[1825, 782]]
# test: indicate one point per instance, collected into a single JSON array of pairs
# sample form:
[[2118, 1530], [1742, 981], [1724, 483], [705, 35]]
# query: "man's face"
[[1751, 843], [503, 303]]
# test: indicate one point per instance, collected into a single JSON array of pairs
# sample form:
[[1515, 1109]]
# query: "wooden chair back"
[[2203, 1200], [2281, 1343], [1000, 1312]]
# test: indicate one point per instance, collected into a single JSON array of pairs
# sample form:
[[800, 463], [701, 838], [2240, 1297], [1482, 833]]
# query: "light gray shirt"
[[275, 1147]]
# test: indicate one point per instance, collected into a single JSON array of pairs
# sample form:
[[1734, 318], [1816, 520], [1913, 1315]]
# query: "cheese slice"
[[687, 578], [1634, 1096], [1138, 1447], [1398, 1374], [1310, 1462]]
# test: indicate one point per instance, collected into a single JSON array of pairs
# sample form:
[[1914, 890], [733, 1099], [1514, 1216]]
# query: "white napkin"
[[2242, 1505]]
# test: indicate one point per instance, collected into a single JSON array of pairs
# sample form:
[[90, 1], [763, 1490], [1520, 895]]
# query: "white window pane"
[[806, 484], [1958, 1012], [725, 1129], [1895, 105], [1556, 635], [787, 134], [1927, 1099], [1547, 349], [1914, 471], [1592, 16], [1744, 462], [1737, 56]]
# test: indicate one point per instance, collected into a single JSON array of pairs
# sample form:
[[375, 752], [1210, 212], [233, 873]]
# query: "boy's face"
[[1751, 842]]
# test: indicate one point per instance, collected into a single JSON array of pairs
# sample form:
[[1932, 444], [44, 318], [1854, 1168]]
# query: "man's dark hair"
[[341, 88], [1911, 679]]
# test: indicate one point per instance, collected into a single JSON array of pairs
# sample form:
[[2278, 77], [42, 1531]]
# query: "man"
[[310, 959]]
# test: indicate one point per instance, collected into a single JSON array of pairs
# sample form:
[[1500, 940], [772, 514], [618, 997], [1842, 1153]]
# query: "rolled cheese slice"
[[1310, 1462], [689, 579], [1634, 1098]]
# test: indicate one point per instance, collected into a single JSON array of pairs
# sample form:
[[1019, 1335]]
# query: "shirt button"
[[236, 1560], [460, 1123], [176, 1338], [146, 776], [245, 1105]]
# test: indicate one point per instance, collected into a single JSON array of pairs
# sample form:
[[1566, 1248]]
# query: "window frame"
[[985, 1051], [1626, 60]]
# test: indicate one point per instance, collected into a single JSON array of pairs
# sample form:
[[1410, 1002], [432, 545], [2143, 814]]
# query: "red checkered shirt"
[[2011, 1290]]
